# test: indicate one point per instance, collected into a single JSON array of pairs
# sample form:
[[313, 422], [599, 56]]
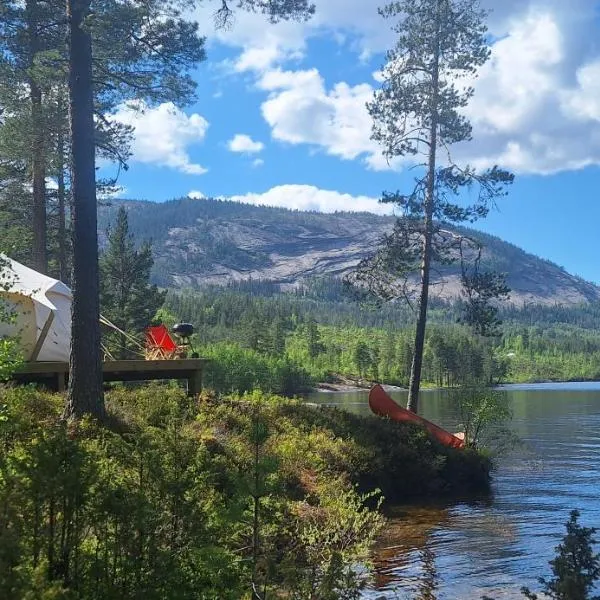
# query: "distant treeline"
[[285, 342]]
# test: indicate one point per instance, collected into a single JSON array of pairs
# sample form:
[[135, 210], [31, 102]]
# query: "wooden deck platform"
[[55, 374]]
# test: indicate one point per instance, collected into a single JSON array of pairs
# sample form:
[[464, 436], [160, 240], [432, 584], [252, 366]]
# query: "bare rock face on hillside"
[[291, 258], [199, 242]]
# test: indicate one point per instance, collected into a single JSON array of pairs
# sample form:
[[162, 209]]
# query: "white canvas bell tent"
[[41, 309]]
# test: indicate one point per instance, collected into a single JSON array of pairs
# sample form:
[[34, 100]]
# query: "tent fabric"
[[38, 303]]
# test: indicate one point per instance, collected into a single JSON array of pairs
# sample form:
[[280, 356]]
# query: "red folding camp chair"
[[160, 344]]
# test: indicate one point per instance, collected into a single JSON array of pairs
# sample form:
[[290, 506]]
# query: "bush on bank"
[[233, 369], [207, 499]]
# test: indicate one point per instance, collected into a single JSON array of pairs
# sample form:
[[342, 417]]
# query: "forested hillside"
[[200, 242], [263, 288]]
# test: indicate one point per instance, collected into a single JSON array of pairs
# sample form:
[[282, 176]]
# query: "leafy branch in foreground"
[[10, 357]]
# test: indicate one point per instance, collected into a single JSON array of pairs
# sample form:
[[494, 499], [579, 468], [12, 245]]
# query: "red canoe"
[[381, 404]]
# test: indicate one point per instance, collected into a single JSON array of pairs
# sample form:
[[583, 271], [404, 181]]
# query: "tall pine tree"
[[85, 392], [123, 50], [25, 43], [419, 111]]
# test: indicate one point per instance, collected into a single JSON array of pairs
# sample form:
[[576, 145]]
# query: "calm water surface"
[[464, 551]]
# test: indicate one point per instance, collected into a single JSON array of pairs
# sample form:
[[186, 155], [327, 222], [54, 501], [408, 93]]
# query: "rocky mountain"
[[198, 242]]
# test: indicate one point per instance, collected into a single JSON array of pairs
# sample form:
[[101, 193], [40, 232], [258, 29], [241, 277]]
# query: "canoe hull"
[[381, 404]]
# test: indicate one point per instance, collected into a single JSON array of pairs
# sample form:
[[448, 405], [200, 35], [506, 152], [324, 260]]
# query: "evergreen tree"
[[122, 51], [85, 392], [313, 339], [26, 42], [419, 110], [127, 299], [255, 331], [575, 568], [278, 334], [362, 358]]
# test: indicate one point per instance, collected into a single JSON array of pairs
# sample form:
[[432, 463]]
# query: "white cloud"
[[583, 101], [520, 76], [536, 108], [533, 110], [163, 135], [300, 110], [308, 197], [263, 57], [258, 162], [245, 144], [196, 195], [354, 22], [378, 76]]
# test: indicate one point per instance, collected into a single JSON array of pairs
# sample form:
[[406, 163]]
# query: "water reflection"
[[428, 584], [403, 547], [495, 547]]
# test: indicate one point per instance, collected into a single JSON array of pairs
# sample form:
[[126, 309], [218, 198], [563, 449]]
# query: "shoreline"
[[349, 387], [344, 386]]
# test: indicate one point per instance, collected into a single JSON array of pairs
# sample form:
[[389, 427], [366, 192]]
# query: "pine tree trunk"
[[85, 394], [417, 362], [39, 255], [62, 211]]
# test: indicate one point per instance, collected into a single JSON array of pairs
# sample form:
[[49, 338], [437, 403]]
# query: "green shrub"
[[10, 355], [575, 568], [162, 503], [183, 499], [400, 459], [484, 417], [236, 369]]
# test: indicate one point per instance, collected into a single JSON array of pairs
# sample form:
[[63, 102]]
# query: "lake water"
[[494, 547]]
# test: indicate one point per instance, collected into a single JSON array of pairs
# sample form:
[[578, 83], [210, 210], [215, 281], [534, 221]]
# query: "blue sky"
[[281, 120]]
